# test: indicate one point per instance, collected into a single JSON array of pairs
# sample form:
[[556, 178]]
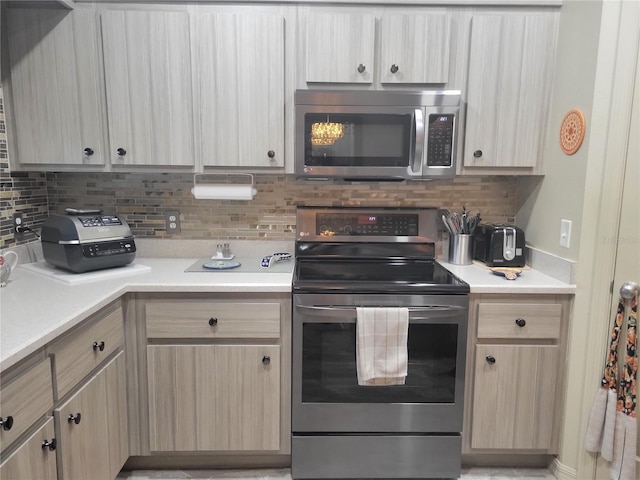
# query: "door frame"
[[616, 76]]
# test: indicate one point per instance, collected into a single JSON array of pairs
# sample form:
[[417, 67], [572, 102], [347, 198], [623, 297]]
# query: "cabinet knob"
[[121, 152], [521, 322], [6, 422], [491, 359], [361, 68], [98, 346], [74, 418], [266, 360], [88, 151], [51, 445], [477, 153], [394, 68], [213, 321], [271, 154]]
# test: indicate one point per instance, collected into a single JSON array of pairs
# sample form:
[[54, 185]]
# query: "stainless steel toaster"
[[499, 245]]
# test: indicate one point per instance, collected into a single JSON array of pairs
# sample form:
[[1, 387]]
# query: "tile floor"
[[285, 474]]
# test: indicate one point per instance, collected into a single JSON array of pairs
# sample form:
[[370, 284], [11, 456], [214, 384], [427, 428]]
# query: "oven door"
[[326, 396]]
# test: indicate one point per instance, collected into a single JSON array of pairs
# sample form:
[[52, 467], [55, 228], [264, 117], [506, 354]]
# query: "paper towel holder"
[[223, 191]]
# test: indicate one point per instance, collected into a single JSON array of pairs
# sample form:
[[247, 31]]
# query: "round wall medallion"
[[572, 130]]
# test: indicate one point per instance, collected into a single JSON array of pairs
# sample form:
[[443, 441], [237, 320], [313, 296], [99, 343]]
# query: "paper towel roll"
[[224, 192]]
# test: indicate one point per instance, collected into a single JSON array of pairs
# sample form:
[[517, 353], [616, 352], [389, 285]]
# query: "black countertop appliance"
[[85, 240], [499, 245]]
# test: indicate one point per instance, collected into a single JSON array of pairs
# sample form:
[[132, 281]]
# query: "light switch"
[[565, 233]]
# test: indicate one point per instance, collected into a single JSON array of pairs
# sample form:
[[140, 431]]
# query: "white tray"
[[48, 270]]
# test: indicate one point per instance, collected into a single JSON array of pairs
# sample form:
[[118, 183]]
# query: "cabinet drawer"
[[31, 460], [24, 400], [519, 320], [77, 355], [212, 320]]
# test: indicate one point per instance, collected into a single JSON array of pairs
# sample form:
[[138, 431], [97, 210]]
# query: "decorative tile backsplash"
[[142, 200]]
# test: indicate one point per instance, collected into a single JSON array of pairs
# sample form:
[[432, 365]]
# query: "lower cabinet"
[[35, 458], [214, 397], [514, 389], [216, 374], [516, 368], [92, 426]]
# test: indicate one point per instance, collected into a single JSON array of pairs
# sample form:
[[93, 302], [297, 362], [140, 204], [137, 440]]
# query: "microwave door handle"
[[418, 141]]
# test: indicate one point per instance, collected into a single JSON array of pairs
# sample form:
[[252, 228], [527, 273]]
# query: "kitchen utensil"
[[446, 225], [8, 261]]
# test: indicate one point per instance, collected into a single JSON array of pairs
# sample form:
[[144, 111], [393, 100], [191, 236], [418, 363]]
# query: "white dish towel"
[[381, 345]]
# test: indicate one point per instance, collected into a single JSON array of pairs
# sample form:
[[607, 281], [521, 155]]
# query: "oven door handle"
[[347, 314]]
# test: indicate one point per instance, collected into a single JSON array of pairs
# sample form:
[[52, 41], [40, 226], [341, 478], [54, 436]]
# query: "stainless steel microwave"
[[376, 135]]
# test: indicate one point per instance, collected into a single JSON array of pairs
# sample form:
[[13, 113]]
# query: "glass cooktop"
[[375, 276]]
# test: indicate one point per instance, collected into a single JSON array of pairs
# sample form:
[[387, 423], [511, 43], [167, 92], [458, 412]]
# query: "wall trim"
[[562, 471]]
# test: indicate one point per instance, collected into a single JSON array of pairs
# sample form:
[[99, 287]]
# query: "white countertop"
[[36, 308], [482, 280]]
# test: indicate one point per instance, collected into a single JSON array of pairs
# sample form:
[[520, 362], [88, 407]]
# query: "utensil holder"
[[461, 249]]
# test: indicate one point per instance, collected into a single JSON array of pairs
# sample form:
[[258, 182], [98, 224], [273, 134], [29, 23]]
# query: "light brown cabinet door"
[[340, 48], [32, 460], [414, 48], [214, 397], [24, 400], [509, 88], [514, 396], [55, 86], [240, 76], [92, 434], [147, 66]]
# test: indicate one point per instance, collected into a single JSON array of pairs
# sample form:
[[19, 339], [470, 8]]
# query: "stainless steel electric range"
[[375, 257]]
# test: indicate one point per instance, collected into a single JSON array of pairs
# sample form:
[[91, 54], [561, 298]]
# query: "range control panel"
[[366, 224]]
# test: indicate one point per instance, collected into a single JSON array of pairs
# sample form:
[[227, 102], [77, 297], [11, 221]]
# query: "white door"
[[627, 267]]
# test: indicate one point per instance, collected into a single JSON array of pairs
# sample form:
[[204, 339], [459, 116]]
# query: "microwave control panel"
[[440, 140]]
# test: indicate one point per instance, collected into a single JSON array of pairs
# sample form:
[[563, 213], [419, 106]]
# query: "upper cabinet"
[[192, 87], [239, 69], [510, 76], [147, 61], [414, 48], [341, 48], [55, 88]]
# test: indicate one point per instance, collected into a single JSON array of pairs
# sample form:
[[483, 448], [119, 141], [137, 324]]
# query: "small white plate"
[[221, 265]]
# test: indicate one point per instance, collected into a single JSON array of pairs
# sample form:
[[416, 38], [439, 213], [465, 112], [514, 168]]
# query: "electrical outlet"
[[172, 221], [18, 222], [565, 233]]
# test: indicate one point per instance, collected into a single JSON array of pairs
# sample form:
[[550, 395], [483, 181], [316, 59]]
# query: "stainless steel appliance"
[[359, 257], [86, 240], [376, 135], [499, 245]]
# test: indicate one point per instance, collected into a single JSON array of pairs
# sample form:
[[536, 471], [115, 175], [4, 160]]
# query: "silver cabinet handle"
[[361, 68], [394, 68]]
